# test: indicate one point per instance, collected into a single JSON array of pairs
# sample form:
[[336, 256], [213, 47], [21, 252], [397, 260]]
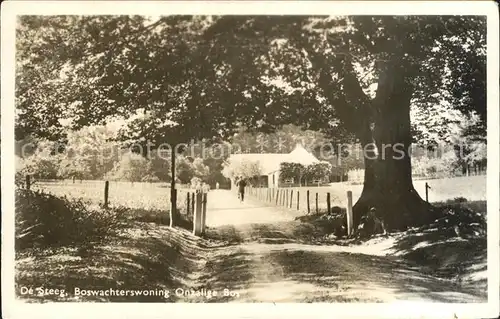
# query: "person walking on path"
[[241, 189]]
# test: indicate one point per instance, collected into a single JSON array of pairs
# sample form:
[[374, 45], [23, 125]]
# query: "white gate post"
[[349, 213], [204, 213], [198, 218]]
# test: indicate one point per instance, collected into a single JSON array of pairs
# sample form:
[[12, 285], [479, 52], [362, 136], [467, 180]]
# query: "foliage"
[[199, 168], [461, 219], [293, 171], [184, 170], [131, 167], [283, 48], [244, 168], [20, 175], [44, 220], [350, 157], [43, 164], [438, 165], [318, 171], [282, 140], [215, 167], [470, 144], [332, 223], [85, 154], [89, 153], [188, 168], [93, 81], [195, 182], [299, 172]]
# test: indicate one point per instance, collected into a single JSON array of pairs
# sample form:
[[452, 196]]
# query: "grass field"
[[156, 196], [473, 188], [147, 196]]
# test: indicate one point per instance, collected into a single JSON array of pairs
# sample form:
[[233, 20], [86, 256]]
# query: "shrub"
[[19, 179], [462, 219], [334, 222], [457, 200], [44, 220]]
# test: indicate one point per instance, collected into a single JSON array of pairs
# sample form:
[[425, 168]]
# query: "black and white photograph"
[[271, 153]]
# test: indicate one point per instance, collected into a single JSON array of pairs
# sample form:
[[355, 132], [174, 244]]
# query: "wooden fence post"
[[192, 203], [328, 203], [106, 193], [28, 182], [197, 220], [349, 214], [308, 204], [427, 187], [204, 213], [291, 198], [317, 208], [298, 199], [173, 207]]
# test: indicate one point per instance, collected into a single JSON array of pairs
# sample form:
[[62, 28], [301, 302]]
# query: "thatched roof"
[[270, 162]]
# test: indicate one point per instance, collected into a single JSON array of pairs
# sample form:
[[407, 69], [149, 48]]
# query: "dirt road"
[[268, 265]]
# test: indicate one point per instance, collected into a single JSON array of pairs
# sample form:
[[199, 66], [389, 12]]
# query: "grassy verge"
[[71, 245], [452, 247]]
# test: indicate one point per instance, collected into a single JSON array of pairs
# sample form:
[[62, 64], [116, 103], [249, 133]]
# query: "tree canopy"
[[173, 72]]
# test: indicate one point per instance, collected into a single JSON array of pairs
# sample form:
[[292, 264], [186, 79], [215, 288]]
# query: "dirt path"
[[268, 266], [224, 208]]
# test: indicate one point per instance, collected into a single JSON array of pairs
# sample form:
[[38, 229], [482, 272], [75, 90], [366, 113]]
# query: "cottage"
[[270, 163]]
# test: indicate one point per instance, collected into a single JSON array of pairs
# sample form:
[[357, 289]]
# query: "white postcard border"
[[17, 309]]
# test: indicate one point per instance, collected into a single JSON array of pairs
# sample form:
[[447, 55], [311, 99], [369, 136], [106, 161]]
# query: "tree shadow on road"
[[143, 257], [354, 277], [282, 232], [230, 271], [444, 256]]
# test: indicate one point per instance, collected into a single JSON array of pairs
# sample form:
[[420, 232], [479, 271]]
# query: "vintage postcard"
[[250, 159]]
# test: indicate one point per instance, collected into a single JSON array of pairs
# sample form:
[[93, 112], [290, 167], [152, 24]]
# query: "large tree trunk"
[[386, 139]]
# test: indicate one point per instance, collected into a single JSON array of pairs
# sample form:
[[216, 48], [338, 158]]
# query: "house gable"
[[270, 162]]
